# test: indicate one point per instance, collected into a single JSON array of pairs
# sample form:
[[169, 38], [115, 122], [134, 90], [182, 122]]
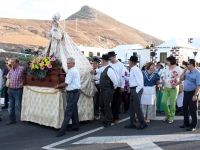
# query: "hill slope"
[[88, 27]]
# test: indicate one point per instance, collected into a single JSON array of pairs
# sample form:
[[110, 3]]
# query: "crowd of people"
[[142, 92], [146, 91]]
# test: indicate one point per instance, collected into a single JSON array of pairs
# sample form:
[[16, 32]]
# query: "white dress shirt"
[[96, 77], [119, 70], [111, 74], [136, 78], [72, 79]]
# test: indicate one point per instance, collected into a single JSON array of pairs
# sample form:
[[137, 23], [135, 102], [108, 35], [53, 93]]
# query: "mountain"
[[88, 27]]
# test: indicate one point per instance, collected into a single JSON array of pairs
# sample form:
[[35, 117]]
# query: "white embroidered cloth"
[[46, 106]]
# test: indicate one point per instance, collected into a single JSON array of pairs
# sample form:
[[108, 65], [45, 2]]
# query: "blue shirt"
[[150, 79], [192, 80]]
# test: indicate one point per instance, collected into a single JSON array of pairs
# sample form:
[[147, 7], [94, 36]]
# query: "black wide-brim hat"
[[134, 59], [96, 59], [105, 57], [111, 54]]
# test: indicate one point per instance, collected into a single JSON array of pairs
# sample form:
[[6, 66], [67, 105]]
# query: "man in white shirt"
[[72, 84], [96, 79], [136, 83], [108, 83], [119, 70]]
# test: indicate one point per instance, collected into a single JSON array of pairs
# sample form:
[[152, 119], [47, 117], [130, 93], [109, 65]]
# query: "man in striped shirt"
[[15, 88]]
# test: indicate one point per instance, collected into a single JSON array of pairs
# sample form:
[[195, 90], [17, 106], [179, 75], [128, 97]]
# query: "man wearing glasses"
[[191, 78]]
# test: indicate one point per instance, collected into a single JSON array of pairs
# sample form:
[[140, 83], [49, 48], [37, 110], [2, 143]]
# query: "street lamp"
[[195, 54]]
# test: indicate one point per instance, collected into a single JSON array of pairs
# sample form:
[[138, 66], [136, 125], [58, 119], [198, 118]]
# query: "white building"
[[124, 52], [93, 51], [2, 50], [176, 47]]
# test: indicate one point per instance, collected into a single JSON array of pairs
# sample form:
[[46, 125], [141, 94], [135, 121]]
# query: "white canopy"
[[125, 51], [175, 42]]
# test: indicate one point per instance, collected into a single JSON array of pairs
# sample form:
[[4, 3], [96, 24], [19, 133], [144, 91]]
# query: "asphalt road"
[[92, 136]]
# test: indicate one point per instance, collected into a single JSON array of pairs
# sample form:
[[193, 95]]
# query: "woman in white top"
[[170, 79]]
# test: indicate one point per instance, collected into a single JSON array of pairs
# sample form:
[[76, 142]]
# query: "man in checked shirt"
[[15, 89]]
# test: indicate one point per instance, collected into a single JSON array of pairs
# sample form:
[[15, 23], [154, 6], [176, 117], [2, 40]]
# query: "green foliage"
[[40, 74]]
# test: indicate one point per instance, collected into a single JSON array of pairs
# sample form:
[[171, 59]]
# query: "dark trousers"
[[5, 95], [190, 107], [71, 111], [135, 108], [116, 103], [125, 100], [15, 100], [97, 102], [106, 97]]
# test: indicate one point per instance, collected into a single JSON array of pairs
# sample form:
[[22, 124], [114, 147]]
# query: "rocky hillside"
[[87, 27]]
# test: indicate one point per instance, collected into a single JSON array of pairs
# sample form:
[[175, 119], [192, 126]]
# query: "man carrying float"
[[41, 102]]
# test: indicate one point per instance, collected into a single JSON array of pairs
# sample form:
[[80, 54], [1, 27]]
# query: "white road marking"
[[51, 146], [71, 138], [162, 118], [144, 142]]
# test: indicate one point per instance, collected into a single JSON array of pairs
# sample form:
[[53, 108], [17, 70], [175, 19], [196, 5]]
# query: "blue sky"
[[162, 18]]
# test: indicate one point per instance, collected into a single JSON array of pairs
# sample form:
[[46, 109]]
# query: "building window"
[[163, 57], [98, 54], [90, 54]]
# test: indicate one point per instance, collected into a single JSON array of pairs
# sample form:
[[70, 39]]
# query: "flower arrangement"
[[41, 66]]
